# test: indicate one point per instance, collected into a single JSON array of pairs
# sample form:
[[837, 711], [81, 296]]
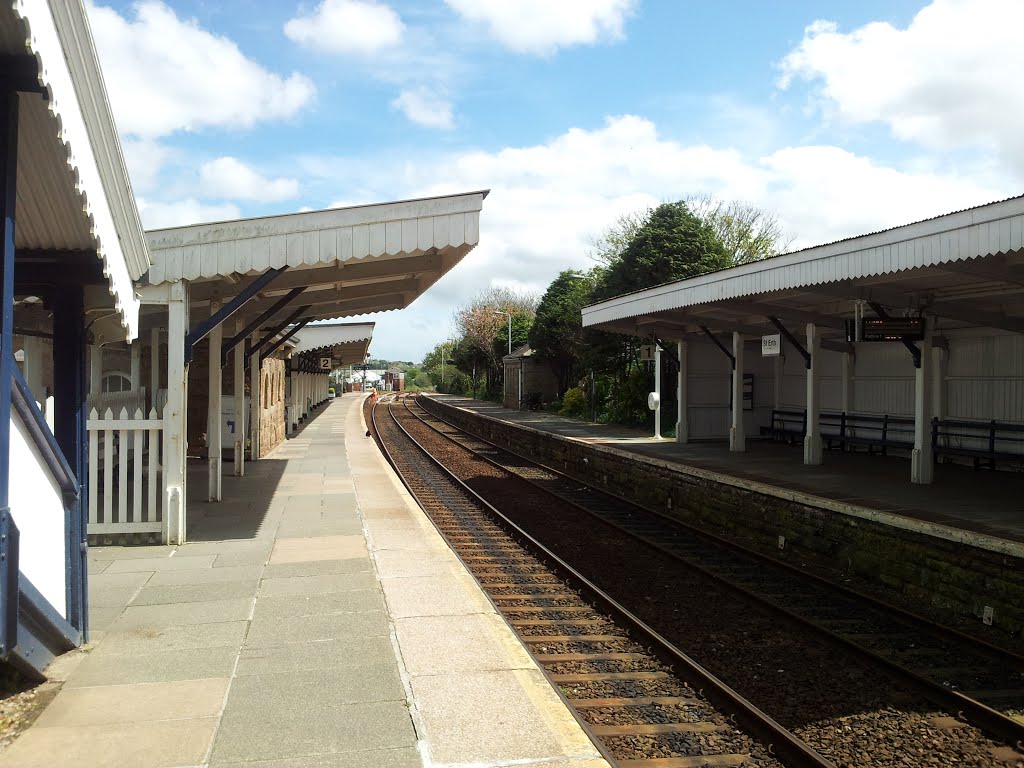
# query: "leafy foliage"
[[672, 244], [557, 335], [575, 403]]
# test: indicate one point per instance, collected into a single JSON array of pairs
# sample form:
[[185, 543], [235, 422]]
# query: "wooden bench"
[[788, 426], [870, 431], [984, 442]]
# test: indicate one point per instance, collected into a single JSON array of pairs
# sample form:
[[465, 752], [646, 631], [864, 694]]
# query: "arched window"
[[116, 381]]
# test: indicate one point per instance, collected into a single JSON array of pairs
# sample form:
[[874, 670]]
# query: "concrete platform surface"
[[982, 508], [315, 619]]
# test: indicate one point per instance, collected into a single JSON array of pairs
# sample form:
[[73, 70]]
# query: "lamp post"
[[503, 379]]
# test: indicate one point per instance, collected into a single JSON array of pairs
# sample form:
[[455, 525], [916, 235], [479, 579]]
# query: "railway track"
[[962, 673], [645, 703], [885, 707]]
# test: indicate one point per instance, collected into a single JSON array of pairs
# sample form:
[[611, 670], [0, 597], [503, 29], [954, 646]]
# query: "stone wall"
[[272, 401], [957, 576]]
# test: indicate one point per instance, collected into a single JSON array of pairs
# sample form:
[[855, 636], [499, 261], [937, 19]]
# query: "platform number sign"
[[325, 363]]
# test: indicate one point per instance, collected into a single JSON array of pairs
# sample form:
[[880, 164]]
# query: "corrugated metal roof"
[[323, 335], [972, 233], [73, 191], [316, 238]]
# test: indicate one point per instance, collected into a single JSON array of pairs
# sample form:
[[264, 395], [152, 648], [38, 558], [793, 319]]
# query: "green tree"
[[557, 335], [748, 233], [673, 244]]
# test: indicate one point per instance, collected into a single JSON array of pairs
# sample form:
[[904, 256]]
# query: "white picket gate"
[[119, 446]]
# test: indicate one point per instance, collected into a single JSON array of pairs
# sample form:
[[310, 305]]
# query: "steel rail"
[[779, 740], [983, 716]]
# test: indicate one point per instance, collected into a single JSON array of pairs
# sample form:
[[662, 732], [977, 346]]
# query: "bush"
[[575, 404]]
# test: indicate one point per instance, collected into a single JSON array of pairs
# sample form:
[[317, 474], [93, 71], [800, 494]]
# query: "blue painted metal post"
[[8, 529], [69, 427]]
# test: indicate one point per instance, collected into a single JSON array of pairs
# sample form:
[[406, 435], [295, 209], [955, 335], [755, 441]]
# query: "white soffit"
[[321, 336], [332, 237], [988, 230], [74, 191]]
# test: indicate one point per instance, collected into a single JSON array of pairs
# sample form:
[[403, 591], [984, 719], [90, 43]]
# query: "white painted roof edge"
[[57, 34], [976, 232], [313, 221], [324, 335]]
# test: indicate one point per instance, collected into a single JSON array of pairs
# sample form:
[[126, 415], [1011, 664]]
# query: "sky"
[[839, 117]]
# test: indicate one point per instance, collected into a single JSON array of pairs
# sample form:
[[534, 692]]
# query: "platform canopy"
[[344, 343], [76, 215], [320, 265], [964, 269]]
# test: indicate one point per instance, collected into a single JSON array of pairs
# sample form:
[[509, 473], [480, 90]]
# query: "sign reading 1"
[[771, 345]]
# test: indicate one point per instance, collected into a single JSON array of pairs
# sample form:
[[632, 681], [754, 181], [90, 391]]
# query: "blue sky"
[[841, 117]]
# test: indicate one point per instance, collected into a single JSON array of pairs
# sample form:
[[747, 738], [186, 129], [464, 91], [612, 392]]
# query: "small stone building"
[[524, 375]]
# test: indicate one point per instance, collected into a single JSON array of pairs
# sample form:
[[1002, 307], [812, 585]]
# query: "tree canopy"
[[672, 244], [557, 334]]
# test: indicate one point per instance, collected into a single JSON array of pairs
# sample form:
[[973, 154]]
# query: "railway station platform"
[[315, 618], [981, 508]]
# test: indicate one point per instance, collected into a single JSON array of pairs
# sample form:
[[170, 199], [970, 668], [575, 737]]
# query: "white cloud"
[[359, 27], [424, 107], [156, 215], [145, 159], [228, 177], [948, 80], [543, 26], [165, 74]]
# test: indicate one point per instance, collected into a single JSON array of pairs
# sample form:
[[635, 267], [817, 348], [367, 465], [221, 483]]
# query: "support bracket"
[[915, 351], [255, 348], [242, 335], [720, 345], [792, 340], [203, 329], [270, 350]]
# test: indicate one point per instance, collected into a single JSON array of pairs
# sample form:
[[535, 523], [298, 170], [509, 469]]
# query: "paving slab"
[[475, 643], [107, 704], [162, 744], [403, 757], [318, 583], [455, 594], [270, 734], [161, 564], [349, 601], [301, 629], [304, 549], [336, 655], [205, 575], [196, 593], [265, 694], [178, 638], [158, 667], [177, 614]]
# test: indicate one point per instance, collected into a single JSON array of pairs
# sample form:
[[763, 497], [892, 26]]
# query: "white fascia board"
[[58, 36], [316, 238], [976, 232], [319, 336]]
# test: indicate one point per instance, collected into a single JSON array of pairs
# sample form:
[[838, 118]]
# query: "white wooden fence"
[[118, 447]]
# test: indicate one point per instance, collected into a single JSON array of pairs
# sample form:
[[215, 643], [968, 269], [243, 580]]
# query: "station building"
[[908, 341], [127, 340]]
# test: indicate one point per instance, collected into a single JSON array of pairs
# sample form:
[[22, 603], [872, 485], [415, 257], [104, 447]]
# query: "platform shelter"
[[233, 293], [906, 340], [71, 247]]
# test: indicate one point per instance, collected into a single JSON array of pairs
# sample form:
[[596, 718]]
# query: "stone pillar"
[[214, 421], [255, 393], [239, 353], [95, 369], [683, 419], [812, 440], [175, 426], [135, 371], [737, 430], [921, 464]]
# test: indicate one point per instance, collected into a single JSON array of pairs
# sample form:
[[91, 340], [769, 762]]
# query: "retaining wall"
[[956, 575]]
